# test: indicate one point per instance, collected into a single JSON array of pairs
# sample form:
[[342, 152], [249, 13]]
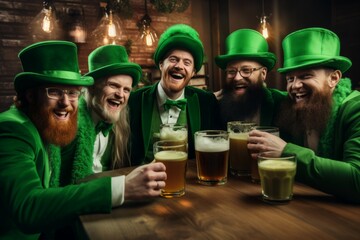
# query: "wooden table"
[[232, 211]]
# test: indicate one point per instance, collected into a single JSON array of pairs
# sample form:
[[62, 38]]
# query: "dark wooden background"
[[214, 20]]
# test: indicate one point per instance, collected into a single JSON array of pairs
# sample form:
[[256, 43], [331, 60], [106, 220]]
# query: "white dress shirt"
[[117, 183], [172, 115]]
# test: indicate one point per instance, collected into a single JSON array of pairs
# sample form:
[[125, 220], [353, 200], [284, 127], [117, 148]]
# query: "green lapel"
[[193, 111], [148, 99]]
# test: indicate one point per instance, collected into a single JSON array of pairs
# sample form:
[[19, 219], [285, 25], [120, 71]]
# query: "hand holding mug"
[[260, 141]]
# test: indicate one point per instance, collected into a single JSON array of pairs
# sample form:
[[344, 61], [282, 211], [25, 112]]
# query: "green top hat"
[[50, 62], [112, 60], [180, 36], [246, 44], [313, 47]]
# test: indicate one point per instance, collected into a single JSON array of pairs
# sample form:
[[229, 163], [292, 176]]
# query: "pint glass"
[[277, 177], [174, 156], [239, 157], [212, 153], [254, 165]]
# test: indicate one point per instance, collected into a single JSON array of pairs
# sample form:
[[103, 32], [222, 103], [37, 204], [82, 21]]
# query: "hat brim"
[[131, 69], [266, 59], [338, 63], [181, 42], [25, 80]]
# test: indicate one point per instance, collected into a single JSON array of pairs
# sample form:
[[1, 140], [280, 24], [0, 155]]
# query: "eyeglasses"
[[57, 94], [244, 72]]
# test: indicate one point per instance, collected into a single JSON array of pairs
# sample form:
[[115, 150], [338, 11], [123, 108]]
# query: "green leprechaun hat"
[[110, 60], [50, 62], [313, 47], [246, 44], [180, 36]]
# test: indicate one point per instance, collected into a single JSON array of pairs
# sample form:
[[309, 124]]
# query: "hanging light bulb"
[[147, 34], [44, 25], [264, 27], [109, 29], [47, 24]]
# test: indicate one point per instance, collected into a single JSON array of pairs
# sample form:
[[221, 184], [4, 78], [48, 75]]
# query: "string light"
[[109, 30], [264, 27], [44, 25], [147, 34]]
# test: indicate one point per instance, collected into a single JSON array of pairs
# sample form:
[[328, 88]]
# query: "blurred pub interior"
[[213, 19]]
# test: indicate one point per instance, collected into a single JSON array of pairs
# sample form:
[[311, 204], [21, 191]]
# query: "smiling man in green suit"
[[179, 55], [321, 115], [45, 112]]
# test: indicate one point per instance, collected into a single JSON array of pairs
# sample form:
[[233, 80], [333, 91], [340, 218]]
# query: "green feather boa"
[[342, 90], [83, 145]]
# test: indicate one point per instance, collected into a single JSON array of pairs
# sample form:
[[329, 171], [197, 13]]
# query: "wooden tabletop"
[[232, 211]]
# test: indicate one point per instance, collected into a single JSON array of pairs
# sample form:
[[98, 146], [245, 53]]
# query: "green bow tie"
[[178, 103], [104, 127]]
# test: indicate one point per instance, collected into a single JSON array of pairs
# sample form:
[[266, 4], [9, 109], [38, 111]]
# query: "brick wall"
[[15, 16]]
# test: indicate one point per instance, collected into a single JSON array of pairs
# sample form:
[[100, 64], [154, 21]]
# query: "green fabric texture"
[[202, 112], [74, 161], [27, 206], [323, 50], [246, 44], [180, 36], [336, 167], [50, 62], [270, 103], [154, 132]]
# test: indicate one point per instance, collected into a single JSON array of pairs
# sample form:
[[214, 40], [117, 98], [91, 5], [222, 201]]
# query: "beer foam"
[[277, 165], [240, 136], [205, 144], [170, 155], [169, 134]]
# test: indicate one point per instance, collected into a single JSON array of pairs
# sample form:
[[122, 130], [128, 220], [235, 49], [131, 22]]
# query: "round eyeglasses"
[[57, 93], [244, 72]]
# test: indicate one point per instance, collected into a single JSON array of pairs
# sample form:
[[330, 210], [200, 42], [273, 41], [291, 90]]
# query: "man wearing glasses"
[[246, 64], [103, 133], [45, 112]]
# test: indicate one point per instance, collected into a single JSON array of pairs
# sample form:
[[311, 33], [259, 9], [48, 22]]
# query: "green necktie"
[[178, 103], [104, 127]]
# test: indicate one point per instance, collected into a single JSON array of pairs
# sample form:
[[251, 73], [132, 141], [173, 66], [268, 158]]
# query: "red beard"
[[310, 115], [52, 130]]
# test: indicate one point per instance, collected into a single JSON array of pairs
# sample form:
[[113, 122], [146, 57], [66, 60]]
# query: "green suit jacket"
[[202, 114], [27, 206], [335, 169], [270, 105]]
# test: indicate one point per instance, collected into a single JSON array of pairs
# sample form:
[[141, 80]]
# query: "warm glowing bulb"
[[264, 32], [46, 24], [149, 40], [111, 30]]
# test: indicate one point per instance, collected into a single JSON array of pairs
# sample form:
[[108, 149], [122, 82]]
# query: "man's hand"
[[219, 94], [145, 181], [259, 141]]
